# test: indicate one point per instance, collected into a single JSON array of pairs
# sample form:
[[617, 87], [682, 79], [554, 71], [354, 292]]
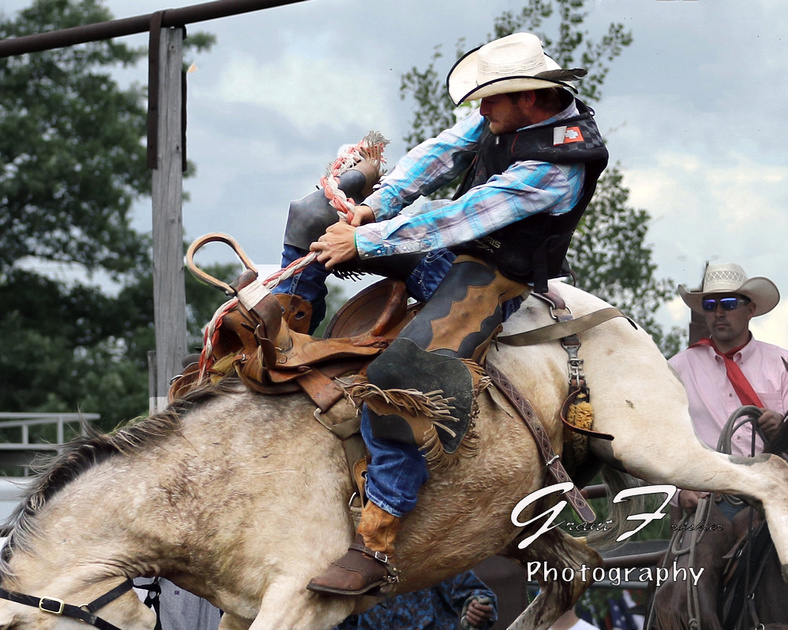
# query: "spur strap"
[[381, 557], [552, 461]]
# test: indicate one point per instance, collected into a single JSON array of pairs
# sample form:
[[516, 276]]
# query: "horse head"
[[115, 608], [49, 574]]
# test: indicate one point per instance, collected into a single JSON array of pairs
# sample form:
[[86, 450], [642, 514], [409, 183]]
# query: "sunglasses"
[[727, 303]]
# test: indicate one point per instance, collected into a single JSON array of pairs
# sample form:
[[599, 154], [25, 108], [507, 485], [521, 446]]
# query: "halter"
[[84, 613]]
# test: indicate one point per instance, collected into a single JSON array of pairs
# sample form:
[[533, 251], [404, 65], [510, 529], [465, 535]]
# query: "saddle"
[[753, 592], [743, 571], [265, 346]]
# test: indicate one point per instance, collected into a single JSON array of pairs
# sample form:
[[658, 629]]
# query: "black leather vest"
[[533, 249]]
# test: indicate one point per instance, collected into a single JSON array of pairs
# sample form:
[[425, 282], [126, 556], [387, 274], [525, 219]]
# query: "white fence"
[[21, 435]]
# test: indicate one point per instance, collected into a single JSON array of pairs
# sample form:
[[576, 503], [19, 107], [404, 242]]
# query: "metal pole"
[[129, 26], [153, 401]]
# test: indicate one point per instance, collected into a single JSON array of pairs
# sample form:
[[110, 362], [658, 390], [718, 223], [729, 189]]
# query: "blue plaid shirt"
[[525, 188]]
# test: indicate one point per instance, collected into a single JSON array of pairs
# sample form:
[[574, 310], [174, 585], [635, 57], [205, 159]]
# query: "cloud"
[[748, 195], [771, 327], [745, 192], [677, 311], [703, 212], [312, 92]]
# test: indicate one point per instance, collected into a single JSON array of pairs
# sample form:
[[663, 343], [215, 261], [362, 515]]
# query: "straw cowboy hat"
[[514, 63], [730, 278]]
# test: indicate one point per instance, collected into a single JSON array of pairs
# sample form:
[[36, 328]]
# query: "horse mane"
[[85, 452]]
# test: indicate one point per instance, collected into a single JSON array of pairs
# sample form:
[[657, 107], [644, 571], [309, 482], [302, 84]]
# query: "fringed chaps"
[[427, 419]]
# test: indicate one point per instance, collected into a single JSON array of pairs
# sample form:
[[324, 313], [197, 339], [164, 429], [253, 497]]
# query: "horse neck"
[[88, 531]]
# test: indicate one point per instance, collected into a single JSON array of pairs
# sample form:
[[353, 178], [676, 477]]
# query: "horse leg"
[[287, 605], [563, 566], [665, 450], [761, 480]]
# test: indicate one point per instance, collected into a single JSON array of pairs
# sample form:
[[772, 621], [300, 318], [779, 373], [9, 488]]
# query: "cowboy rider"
[[533, 155]]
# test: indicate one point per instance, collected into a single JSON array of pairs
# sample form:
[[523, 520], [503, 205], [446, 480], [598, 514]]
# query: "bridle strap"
[[84, 613]]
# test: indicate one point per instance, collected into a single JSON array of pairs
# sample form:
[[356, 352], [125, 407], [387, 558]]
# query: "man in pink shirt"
[[731, 368]]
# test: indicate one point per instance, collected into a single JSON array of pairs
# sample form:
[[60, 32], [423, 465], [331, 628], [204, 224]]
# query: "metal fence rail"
[[129, 26], [20, 454]]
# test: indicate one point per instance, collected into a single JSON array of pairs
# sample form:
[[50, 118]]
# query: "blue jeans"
[[430, 273], [730, 510], [395, 473], [398, 469], [310, 284]]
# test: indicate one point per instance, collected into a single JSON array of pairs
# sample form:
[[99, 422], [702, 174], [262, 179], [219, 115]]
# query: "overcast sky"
[[691, 112]]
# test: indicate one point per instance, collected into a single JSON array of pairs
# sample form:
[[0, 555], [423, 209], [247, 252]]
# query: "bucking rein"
[[254, 334]]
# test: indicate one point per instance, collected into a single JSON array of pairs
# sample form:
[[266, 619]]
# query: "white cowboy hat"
[[514, 63], [730, 278]]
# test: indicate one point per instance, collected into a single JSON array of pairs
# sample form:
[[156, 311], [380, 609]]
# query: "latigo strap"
[[551, 459]]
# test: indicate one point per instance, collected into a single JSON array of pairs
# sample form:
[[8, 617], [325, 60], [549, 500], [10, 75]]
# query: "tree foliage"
[[609, 251], [571, 47], [71, 347], [72, 163], [70, 151]]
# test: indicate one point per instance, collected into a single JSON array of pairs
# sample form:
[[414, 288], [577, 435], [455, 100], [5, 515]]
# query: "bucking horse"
[[241, 494], [241, 498]]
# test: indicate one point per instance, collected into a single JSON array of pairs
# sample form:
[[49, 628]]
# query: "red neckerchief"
[[741, 385]]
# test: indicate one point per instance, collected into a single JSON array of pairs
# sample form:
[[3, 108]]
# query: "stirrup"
[[359, 560]]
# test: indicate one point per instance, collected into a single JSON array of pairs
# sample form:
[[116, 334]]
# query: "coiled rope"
[[370, 148]]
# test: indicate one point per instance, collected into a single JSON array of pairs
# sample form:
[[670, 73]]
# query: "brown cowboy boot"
[[369, 563]]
